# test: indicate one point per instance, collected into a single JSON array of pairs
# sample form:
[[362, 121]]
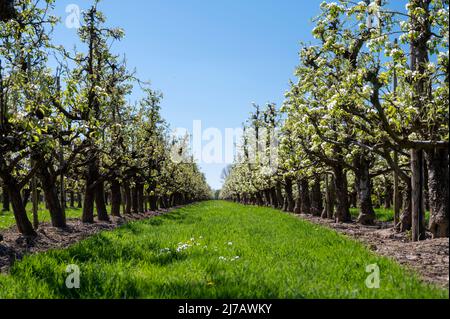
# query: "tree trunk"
[[134, 200], [279, 195], [23, 223], [353, 198], [141, 198], [274, 198], [72, 199], [316, 197], [106, 197], [328, 210], [5, 199], [340, 185], [116, 198], [102, 213], [267, 201], [388, 195], [364, 190], [153, 199], [80, 200], [89, 194], [305, 198], [26, 196], [426, 190], [298, 201], [35, 202], [405, 217], [163, 202], [172, 200], [49, 187], [417, 196], [438, 183], [397, 199], [259, 199], [290, 204], [128, 198]]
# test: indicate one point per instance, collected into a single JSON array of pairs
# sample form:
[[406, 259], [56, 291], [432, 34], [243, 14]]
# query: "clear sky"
[[210, 58]]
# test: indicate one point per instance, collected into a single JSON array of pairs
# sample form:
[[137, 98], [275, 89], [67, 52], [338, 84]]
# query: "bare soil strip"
[[429, 258], [14, 246]]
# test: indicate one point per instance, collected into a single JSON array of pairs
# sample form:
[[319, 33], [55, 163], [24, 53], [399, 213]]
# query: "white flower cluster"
[[229, 259], [190, 243], [182, 246], [234, 258]]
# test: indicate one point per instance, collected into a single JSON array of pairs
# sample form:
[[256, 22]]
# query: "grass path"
[[214, 250]]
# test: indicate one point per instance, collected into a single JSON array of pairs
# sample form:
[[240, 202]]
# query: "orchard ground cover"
[[215, 249]]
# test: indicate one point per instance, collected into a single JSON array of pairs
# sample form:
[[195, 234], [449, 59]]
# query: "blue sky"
[[210, 58]]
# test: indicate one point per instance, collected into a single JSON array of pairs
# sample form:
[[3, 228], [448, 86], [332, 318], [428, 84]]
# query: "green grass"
[[280, 256], [384, 215], [7, 218]]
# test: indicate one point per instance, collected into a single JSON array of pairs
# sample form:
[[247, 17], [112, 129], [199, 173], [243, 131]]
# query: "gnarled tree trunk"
[[128, 200], [316, 197], [48, 183], [405, 217], [328, 211], [304, 194], [340, 185], [141, 197], [279, 195], [364, 190], [26, 193], [273, 198], [5, 199], [102, 213], [134, 200], [23, 223], [116, 198], [89, 193], [417, 195], [438, 183], [290, 204]]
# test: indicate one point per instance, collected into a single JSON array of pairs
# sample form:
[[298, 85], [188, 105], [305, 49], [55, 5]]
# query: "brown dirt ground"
[[429, 258], [14, 246]]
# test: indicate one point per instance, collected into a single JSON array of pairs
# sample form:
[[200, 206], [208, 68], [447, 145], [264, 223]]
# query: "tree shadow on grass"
[[204, 290], [179, 216]]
